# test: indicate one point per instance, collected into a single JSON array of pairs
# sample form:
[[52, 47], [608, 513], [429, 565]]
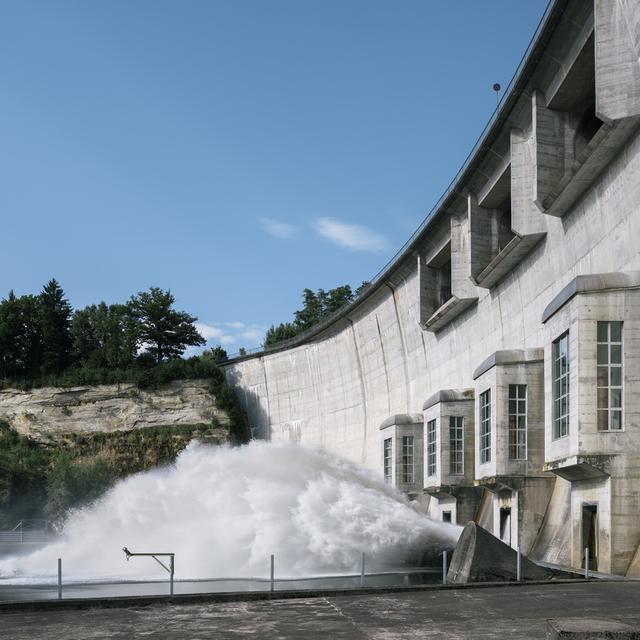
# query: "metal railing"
[[500, 114], [27, 532]]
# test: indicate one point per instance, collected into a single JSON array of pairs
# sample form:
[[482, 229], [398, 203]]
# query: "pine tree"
[[54, 323]]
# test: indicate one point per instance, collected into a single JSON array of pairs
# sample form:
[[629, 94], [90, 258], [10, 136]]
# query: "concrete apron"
[[251, 596]]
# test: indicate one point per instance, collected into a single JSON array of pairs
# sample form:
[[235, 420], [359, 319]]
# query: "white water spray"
[[223, 511]]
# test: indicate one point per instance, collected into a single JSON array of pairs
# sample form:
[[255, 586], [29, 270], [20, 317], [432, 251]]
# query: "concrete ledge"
[[509, 356], [449, 311], [503, 264], [120, 602], [592, 283], [590, 628], [449, 395], [402, 418]]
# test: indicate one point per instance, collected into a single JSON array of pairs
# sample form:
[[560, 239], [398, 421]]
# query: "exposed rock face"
[[47, 412]]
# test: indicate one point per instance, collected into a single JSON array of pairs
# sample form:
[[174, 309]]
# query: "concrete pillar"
[[617, 54]]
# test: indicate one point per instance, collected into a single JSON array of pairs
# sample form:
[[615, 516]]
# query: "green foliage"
[[54, 324], [164, 332], [23, 468], [316, 306], [74, 484], [279, 333], [215, 355], [104, 336], [46, 481]]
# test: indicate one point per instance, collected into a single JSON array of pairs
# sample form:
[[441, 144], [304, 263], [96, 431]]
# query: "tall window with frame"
[[387, 459], [609, 378], [517, 421], [561, 387], [431, 448], [407, 459], [456, 445], [485, 426]]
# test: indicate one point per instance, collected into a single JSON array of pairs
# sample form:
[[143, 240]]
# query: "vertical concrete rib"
[[404, 349], [266, 392], [362, 391], [384, 365]]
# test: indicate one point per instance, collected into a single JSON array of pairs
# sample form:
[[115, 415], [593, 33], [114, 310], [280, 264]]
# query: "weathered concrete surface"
[[42, 413], [481, 557], [574, 187], [517, 613], [591, 629]]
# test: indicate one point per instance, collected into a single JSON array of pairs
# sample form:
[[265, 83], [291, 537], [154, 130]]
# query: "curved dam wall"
[[337, 390], [573, 216]]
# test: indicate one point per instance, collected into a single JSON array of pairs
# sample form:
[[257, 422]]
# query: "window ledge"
[[450, 310], [507, 259]]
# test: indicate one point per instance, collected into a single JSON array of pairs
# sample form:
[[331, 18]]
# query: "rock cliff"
[[50, 411]]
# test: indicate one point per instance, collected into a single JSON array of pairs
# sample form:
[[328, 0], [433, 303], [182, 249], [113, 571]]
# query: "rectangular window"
[[561, 387], [517, 421], [407, 459], [609, 363], [431, 448], [387, 459], [485, 426], [456, 445]]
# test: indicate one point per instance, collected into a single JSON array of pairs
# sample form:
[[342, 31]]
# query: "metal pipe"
[[272, 573], [59, 578], [586, 563], [518, 565], [171, 572], [444, 567], [362, 566]]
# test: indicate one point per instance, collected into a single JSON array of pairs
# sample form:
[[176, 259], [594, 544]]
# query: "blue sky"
[[235, 151]]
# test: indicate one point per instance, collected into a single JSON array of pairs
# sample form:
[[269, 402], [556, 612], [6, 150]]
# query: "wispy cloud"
[[351, 236], [214, 334], [278, 229], [230, 334]]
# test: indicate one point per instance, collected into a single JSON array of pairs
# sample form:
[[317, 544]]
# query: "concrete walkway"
[[493, 612]]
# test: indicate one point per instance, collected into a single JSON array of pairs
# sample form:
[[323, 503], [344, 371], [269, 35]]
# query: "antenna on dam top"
[[496, 88]]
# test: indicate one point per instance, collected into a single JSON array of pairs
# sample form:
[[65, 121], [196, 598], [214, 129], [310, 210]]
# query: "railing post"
[[444, 567], [59, 578], [171, 572], [586, 563], [362, 567], [272, 586], [518, 565]]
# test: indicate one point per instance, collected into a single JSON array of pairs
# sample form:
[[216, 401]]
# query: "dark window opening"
[[576, 100], [440, 268], [505, 525], [590, 534], [502, 232], [446, 516]]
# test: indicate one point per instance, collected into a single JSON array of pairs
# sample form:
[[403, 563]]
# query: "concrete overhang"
[[448, 312], [507, 357], [593, 283], [496, 484], [442, 492], [449, 395], [402, 418], [575, 468]]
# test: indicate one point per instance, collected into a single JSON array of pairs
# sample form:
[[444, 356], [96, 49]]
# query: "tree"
[[279, 333], [104, 336], [216, 354], [164, 332], [54, 322]]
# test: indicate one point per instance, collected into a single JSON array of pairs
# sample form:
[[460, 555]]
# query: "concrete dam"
[[492, 369]]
